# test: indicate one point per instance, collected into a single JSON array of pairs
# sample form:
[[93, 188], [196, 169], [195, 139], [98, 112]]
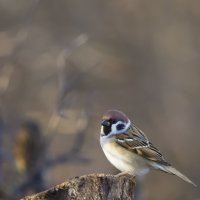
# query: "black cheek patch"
[[106, 130], [120, 127]]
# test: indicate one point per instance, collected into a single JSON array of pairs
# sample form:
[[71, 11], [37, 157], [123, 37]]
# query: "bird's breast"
[[124, 160]]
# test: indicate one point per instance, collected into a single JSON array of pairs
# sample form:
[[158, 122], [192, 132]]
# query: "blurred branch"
[[67, 83], [35, 180], [66, 86], [73, 154], [29, 154], [2, 154]]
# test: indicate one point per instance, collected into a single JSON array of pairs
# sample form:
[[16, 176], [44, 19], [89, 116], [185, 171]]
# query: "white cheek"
[[114, 128]]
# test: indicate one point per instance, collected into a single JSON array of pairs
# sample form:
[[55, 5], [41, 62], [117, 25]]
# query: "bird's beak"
[[105, 123]]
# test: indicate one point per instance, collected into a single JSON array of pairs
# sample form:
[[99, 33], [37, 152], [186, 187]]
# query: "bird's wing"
[[136, 141]]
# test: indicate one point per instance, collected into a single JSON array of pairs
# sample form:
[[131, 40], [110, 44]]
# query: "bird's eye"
[[120, 127], [105, 123], [113, 121]]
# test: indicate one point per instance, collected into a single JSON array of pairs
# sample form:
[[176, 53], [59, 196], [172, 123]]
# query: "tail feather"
[[174, 171]]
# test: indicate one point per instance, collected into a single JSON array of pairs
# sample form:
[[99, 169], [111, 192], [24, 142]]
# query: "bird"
[[128, 148]]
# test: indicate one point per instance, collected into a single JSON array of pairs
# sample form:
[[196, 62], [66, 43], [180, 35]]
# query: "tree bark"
[[91, 187]]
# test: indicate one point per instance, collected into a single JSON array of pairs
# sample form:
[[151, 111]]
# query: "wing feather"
[[136, 141]]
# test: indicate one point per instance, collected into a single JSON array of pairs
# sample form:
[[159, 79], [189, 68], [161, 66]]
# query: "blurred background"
[[63, 63]]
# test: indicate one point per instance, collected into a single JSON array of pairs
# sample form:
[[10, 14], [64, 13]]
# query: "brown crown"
[[115, 115]]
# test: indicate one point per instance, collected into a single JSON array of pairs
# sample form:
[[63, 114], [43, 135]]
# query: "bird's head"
[[114, 122]]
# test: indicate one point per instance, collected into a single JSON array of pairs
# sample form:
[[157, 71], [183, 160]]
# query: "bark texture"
[[94, 187]]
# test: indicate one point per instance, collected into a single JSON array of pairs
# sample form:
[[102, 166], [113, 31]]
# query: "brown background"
[[80, 58]]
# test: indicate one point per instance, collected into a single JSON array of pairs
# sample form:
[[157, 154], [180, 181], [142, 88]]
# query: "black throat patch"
[[107, 129]]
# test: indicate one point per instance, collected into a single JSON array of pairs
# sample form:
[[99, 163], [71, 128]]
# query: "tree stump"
[[90, 187]]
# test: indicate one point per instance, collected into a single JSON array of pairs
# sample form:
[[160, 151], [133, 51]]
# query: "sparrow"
[[128, 148]]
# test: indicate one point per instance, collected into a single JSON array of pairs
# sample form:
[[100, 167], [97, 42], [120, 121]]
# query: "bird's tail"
[[172, 170]]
